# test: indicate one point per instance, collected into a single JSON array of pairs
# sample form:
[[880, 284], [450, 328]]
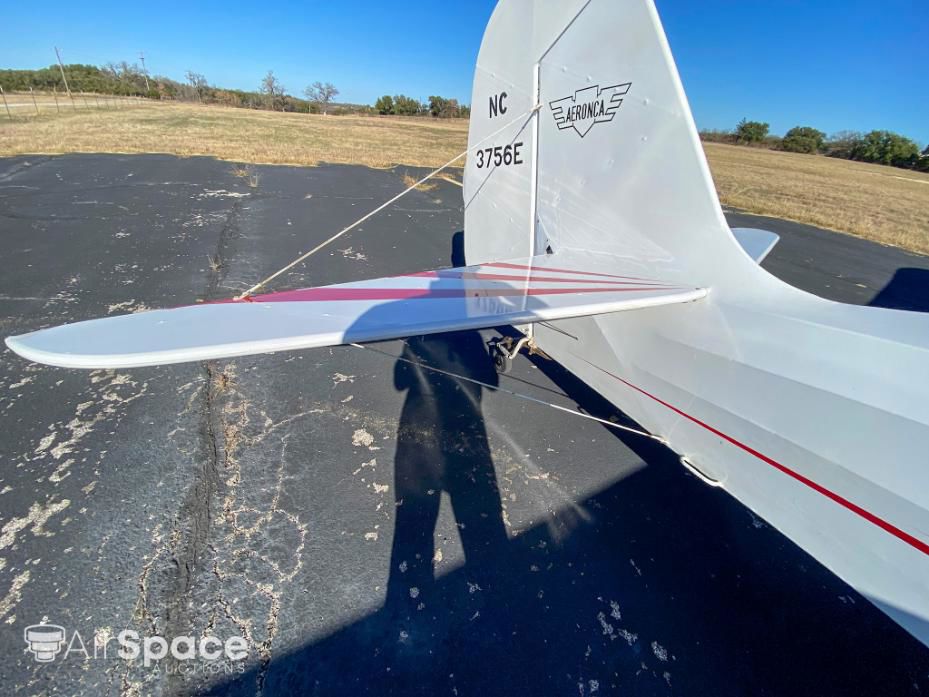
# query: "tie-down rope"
[[247, 294]]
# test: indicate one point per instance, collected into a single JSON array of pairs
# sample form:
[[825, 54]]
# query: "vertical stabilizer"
[[610, 162]]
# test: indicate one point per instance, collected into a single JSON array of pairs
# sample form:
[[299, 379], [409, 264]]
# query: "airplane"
[[592, 225]]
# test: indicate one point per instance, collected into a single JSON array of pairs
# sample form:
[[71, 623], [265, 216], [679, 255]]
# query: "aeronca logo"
[[588, 107]]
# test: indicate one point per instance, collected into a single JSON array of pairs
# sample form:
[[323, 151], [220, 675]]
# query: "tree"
[[437, 106], [452, 110], [321, 94], [385, 105], [803, 139], [111, 70], [197, 82], [842, 144], [751, 131], [886, 148], [441, 107], [273, 90], [406, 106], [112, 78]]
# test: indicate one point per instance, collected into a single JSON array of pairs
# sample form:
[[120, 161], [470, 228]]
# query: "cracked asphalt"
[[366, 526]]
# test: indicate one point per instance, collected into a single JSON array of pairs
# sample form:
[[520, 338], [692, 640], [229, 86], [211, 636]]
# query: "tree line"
[[125, 79], [439, 107], [119, 79], [879, 147]]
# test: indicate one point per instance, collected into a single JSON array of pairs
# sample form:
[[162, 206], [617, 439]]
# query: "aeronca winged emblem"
[[588, 106]]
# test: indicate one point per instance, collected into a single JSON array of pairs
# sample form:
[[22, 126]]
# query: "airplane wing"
[[547, 287]]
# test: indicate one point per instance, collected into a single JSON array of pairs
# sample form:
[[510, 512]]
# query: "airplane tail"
[[610, 161], [809, 412]]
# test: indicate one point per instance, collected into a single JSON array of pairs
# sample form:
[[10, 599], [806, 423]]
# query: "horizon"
[[836, 66]]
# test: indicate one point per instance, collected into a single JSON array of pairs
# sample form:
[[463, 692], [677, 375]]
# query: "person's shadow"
[[442, 446]]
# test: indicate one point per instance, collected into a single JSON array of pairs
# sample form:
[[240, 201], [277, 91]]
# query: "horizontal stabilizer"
[[547, 287], [756, 243]]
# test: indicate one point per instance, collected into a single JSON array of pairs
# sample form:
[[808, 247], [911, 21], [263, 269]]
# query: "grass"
[[425, 186], [883, 204], [23, 105], [240, 135]]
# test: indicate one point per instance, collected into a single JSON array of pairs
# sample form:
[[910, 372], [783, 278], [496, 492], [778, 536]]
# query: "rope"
[[518, 395], [247, 294], [497, 388]]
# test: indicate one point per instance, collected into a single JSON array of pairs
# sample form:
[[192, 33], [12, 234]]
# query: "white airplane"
[[592, 224]]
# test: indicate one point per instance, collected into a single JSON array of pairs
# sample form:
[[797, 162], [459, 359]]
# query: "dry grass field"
[[884, 204], [26, 105], [240, 135]]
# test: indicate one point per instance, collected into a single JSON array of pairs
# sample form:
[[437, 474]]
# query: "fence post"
[[34, 102], [3, 94], [84, 97], [55, 92]]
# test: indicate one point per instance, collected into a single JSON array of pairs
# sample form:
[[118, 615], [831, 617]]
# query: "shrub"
[[803, 139], [772, 142], [751, 131], [717, 136], [886, 148]]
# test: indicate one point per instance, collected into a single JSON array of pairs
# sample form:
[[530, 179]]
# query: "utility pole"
[[144, 71], [8, 113], [64, 79]]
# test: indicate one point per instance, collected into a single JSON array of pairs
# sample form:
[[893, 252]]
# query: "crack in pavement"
[[224, 543], [171, 571]]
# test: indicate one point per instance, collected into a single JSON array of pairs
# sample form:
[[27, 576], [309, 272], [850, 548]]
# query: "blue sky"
[[832, 64]]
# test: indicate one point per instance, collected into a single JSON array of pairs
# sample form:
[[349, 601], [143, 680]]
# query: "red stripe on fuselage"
[[842, 501]]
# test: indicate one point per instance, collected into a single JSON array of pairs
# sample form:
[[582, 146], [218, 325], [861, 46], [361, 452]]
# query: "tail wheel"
[[502, 361]]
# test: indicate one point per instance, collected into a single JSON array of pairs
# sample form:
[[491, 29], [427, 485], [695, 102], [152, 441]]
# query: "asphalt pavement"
[[312, 503]]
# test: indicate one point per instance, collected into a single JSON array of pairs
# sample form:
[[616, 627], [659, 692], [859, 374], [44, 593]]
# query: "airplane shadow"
[[666, 586], [907, 290]]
